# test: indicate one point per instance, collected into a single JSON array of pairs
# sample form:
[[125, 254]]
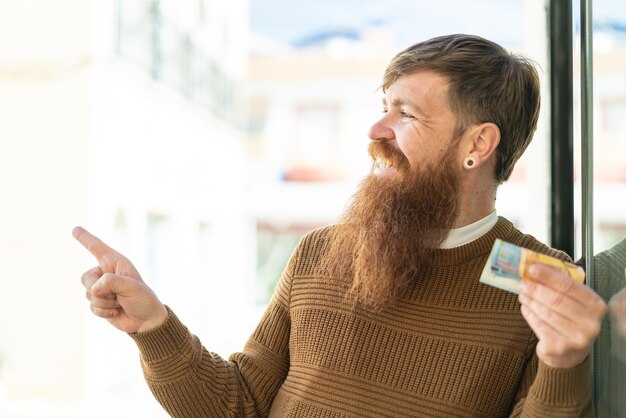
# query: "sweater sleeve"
[[554, 393], [189, 381]]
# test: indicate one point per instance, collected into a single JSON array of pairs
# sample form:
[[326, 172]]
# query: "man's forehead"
[[418, 89], [424, 80]]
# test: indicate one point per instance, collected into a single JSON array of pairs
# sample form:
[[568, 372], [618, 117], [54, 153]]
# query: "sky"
[[290, 21], [410, 20]]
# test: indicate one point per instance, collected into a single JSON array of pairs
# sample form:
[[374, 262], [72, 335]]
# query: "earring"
[[469, 162]]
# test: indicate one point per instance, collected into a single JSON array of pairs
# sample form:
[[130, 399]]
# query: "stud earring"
[[469, 162]]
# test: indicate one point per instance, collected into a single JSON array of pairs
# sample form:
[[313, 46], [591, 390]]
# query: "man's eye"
[[385, 110], [406, 115]]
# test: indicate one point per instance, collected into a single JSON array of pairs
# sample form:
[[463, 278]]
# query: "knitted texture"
[[609, 370], [449, 346]]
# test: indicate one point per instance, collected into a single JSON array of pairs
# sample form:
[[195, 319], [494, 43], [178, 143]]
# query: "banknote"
[[508, 265]]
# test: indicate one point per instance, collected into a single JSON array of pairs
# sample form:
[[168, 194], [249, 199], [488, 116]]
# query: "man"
[[383, 314]]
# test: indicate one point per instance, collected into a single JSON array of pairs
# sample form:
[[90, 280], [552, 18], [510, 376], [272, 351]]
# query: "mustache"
[[383, 149]]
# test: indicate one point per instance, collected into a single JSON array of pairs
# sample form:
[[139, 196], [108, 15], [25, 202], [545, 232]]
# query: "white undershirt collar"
[[471, 232]]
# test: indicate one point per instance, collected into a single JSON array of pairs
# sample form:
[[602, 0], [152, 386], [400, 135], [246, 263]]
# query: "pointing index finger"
[[92, 243]]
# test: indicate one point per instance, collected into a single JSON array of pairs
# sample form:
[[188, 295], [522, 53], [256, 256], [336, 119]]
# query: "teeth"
[[383, 163]]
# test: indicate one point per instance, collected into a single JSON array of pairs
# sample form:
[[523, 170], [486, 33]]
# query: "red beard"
[[392, 227]]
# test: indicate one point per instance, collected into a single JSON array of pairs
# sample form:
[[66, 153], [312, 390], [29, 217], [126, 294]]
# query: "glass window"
[[608, 199]]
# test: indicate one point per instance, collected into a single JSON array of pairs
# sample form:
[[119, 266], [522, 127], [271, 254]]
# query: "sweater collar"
[[476, 248], [471, 232]]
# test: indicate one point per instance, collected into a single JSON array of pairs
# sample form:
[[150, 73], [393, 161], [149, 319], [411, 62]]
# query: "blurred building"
[[123, 117], [609, 135]]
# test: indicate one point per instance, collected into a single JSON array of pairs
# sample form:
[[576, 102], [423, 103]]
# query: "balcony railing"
[[147, 38]]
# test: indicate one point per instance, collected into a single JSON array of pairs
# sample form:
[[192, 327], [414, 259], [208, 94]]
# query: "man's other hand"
[[116, 291], [565, 315]]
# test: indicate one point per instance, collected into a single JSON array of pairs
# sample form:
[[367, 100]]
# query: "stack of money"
[[508, 265]]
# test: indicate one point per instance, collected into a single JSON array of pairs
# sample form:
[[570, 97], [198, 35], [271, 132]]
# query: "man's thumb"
[[111, 284]]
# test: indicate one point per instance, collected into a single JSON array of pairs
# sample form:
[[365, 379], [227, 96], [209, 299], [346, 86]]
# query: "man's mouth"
[[381, 162], [386, 159]]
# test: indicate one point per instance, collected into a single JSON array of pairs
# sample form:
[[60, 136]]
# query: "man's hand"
[[565, 315], [116, 291]]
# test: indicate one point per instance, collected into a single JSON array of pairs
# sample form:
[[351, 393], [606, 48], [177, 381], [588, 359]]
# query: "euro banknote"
[[508, 265]]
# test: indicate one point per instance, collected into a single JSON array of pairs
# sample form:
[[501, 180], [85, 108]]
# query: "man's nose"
[[380, 130]]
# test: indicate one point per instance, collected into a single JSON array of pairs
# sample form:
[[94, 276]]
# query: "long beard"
[[393, 225]]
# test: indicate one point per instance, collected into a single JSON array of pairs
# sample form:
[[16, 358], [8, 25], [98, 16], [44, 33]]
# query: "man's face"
[[417, 121]]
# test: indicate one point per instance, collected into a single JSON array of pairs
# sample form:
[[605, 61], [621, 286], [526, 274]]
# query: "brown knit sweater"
[[448, 347]]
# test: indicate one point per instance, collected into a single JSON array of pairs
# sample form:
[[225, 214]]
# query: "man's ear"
[[480, 144]]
